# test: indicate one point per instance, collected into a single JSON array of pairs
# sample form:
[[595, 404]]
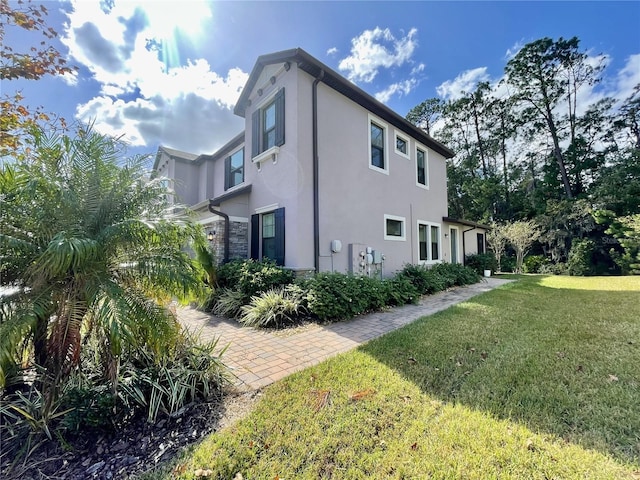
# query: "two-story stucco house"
[[323, 178]]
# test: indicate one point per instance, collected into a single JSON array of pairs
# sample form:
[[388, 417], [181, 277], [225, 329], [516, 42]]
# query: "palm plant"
[[93, 249]]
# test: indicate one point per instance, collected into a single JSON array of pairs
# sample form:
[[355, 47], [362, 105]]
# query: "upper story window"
[[234, 169], [402, 145], [267, 125], [422, 170], [378, 146]]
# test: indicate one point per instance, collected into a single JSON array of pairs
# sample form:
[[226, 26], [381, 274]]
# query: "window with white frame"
[[402, 144], [394, 228], [378, 156], [267, 125], [429, 242], [422, 167], [234, 169]]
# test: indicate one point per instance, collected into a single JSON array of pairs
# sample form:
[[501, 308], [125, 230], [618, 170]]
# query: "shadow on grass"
[[549, 353]]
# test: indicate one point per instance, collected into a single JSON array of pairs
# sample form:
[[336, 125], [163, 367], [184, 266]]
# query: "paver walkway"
[[258, 357]]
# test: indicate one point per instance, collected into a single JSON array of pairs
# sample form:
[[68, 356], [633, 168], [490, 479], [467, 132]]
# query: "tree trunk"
[[557, 152]]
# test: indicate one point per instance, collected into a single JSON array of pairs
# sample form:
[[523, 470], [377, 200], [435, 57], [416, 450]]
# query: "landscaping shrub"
[[580, 261], [458, 273], [533, 263], [559, 268], [482, 261], [147, 384], [252, 277], [339, 296], [274, 308], [229, 302], [508, 264], [400, 290]]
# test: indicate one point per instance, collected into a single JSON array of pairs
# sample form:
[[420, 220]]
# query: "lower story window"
[[394, 228], [267, 236], [428, 242]]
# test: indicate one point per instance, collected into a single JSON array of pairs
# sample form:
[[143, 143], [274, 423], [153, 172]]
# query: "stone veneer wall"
[[238, 240]]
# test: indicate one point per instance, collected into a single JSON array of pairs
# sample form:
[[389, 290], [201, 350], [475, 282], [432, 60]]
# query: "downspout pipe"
[[226, 230], [316, 200], [464, 249]]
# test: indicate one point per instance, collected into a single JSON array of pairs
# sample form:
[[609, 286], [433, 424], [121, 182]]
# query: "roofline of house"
[[227, 147], [468, 223], [331, 78], [227, 196]]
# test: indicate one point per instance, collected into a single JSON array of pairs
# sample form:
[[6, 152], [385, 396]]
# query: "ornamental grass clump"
[[274, 308]]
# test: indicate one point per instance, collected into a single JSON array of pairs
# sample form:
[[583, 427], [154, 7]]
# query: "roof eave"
[[313, 67]]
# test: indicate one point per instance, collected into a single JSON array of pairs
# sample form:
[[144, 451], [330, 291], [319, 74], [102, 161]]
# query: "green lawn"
[[537, 379]]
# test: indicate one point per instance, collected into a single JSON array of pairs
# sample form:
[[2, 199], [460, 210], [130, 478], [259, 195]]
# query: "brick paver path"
[[258, 357]]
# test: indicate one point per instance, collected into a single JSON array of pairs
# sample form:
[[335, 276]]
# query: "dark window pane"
[[435, 243], [270, 117], [236, 169], [269, 127], [269, 248], [268, 225], [422, 240], [401, 145], [420, 157], [377, 136], [394, 228], [377, 157]]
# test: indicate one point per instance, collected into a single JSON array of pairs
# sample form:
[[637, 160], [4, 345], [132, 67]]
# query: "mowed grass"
[[537, 379]]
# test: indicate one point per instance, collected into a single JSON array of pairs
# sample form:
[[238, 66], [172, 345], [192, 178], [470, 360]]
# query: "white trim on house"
[[395, 238], [429, 260], [424, 149], [397, 134], [270, 153], [373, 119], [266, 208]]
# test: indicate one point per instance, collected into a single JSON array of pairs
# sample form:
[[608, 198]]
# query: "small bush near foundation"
[[274, 308], [456, 274], [423, 278], [400, 290], [252, 277], [339, 296]]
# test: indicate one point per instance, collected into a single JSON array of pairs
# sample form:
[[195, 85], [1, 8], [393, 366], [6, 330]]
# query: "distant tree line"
[[530, 148]]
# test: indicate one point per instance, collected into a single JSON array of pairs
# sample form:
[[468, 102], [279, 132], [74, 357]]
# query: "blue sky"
[[169, 72]]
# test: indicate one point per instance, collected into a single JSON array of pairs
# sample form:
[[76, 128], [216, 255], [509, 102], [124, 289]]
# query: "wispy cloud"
[[332, 51], [400, 88], [465, 82], [375, 49], [145, 94], [513, 50]]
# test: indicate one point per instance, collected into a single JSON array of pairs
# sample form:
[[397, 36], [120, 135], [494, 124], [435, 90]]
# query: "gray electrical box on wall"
[[377, 256], [336, 246]]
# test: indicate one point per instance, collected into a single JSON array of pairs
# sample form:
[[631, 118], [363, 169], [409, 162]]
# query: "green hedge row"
[[263, 294]]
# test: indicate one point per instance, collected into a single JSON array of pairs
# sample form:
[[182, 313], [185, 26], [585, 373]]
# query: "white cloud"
[[513, 50], [465, 82], [400, 88], [628, 77], [146, 92], [332, 51], [375, 49]]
